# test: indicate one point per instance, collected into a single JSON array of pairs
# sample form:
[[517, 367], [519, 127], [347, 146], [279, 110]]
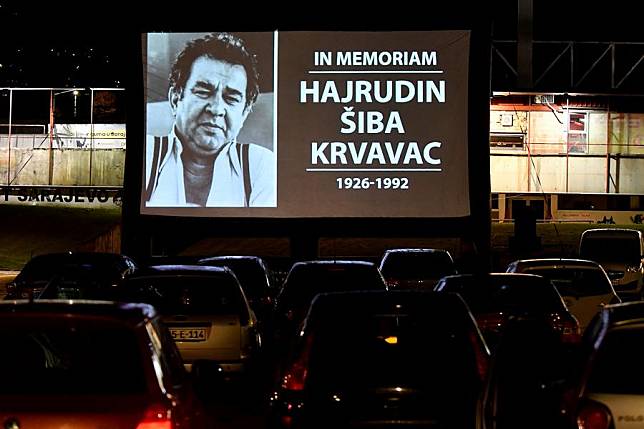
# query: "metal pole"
[[6, 194], [91, 135], [51, 136]]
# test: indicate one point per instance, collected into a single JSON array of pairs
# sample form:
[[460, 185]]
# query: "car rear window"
[[393, 350], [523, 295], [250, 274], [304, 282], [613, 249], [575, 281], [187, 294], [417, 265], [622, 348], [70, 359]]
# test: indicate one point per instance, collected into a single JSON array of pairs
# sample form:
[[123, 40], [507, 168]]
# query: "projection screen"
[[341, 124]]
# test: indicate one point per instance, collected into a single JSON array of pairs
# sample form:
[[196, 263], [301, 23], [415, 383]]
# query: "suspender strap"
[[242, 153], [160, 149]]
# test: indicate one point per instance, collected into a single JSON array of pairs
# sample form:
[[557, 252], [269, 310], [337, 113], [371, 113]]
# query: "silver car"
[[205, 310]]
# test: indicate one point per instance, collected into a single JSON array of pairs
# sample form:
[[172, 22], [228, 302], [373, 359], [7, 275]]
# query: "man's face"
[[212, 108]]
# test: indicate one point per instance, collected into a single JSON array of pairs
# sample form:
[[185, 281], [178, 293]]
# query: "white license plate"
[[189, 334]]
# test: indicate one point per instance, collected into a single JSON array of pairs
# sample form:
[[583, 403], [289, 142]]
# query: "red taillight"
[[295, 376], [594, 415], [481, 357], [569, 329], [393, 284], [156, 417], [490, 321]]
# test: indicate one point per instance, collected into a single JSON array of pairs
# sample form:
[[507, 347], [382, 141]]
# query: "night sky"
[[64, 44]]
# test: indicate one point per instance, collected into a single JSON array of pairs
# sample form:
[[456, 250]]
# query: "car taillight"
[[295, 376], [594, 415], [490, 321], [156, 417], [393, 284], [481, 357], [568, 328]]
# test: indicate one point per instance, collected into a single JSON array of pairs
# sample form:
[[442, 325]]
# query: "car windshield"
[[622, 348], [417, 265], [381, 350], [72, 359], [613, 249], [505, 294], [186, 294], [575, 281]]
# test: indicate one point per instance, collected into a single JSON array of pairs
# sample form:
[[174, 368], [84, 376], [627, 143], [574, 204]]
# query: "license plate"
[[188, 334]]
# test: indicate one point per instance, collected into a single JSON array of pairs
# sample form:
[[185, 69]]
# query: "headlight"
[[632, 268]]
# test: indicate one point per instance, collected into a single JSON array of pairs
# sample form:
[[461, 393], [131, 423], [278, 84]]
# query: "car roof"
[[487, 277], [134, 312], [331, 262], [181, 270], [556, 262], [625, 313], [416, 250], [232, 258], [620, 232]]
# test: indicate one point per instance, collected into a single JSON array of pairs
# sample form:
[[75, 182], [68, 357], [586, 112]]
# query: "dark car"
[[104, 269], [609, 391], [416, 268], [91, 365], [253, 276], [583, 285], [204, 308], [307, 279], [497, 298], [384, 359]]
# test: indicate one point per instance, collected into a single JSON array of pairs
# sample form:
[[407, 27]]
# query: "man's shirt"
[[227, 188]]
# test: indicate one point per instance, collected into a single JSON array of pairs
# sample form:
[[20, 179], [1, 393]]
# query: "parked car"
[[383, 359], [91, 365], [609, 392], [497, 298], [583, 285], [205, 310], [416, 268], [106, 269], [307, 279], [253, 276], [621, 253], [528, 376]]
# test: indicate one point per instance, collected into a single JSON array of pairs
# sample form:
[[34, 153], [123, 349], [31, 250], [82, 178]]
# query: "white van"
[[621, 253]]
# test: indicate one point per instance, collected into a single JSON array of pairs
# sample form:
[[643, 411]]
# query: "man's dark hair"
[[217, 46]]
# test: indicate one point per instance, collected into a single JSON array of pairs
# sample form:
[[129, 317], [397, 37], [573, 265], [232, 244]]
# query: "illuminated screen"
[[306, 124]]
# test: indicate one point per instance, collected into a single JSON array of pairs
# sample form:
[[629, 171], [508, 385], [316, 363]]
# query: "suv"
[[105, 269], [383, 359], [91, 364], [621, 253]]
